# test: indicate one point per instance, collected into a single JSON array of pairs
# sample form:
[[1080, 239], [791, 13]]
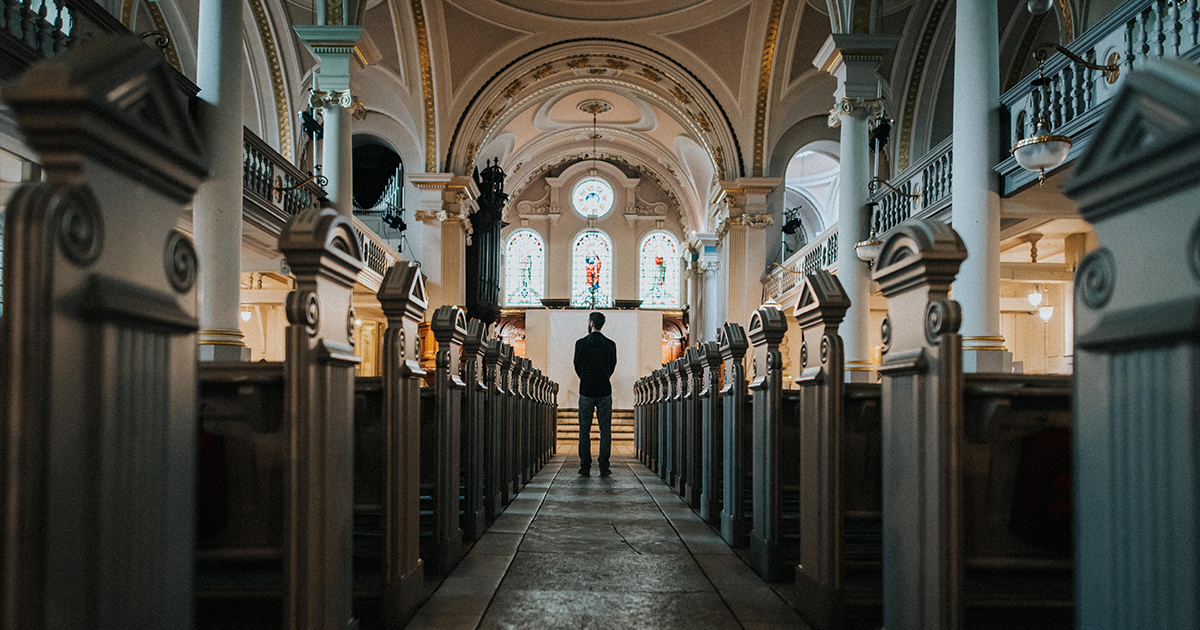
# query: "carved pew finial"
[[449, 326], [736, 439], [402, 296], [99, 409], [324, 254], [922, 426]]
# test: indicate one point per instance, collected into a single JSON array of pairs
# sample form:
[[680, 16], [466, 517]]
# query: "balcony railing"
[[928, 179], [1076, 98], [274, 189], [819, 254]]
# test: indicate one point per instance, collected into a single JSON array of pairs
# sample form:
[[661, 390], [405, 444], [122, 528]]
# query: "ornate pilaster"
[[740, 217], [441, 231]]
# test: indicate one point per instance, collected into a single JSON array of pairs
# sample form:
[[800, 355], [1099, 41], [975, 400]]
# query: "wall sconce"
[[1038, 7], [1044, 150], [1046, 312]]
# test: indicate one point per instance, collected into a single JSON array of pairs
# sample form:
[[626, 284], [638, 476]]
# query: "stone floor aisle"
[[616, 552]]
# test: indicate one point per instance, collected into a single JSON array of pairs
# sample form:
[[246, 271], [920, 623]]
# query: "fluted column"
[[975, 184], [217, 210], [852, 59]]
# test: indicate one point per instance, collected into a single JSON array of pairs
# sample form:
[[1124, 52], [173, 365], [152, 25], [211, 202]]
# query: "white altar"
[[550, 337]]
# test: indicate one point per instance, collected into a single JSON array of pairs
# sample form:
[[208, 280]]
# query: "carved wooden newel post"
[[819, 310], [1137, 359], [324, 254], [736, 442], [710, 441], [922, 427], [767, 329], [402, 296], [472, 447], [449, 328], [660, 421], [97, 481]]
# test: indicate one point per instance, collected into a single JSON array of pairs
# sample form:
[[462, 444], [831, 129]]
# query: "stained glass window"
[[591, 270], [592, 197], [658, 271], [524, 269]]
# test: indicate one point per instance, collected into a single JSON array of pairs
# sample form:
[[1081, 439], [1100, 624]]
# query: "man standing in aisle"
[[595, 360]]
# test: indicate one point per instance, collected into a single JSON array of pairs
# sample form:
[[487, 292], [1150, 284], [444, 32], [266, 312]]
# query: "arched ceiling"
[[656, 115]]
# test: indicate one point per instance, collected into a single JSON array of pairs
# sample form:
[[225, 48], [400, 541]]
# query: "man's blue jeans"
[[603, 408]]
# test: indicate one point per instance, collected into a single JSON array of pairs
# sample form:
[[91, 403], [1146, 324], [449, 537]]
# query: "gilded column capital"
[[857, 107]]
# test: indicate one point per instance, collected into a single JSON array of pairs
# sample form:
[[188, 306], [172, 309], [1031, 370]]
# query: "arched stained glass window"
[[524, 269], [658, 271], [591, 270], [592, 197]]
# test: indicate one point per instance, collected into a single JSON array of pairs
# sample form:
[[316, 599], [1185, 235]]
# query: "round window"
[[593, 197]]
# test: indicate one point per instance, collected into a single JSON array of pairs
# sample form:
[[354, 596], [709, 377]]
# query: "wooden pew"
[[952, 457], [838, 575], [1137, 404], [449, 326], [472, 441], [504, 411], [711, 454], [493, 434], [693, 375], [525, 432], [658, 414], [678, 427], [736, 399], [768, 551], [402, 296], [99, 348]]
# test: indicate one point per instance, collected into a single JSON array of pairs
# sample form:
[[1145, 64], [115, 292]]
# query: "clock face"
[[593, 197]]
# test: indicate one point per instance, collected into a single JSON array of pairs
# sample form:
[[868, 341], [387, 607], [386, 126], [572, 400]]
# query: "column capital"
[[852, 58], [856, 107]]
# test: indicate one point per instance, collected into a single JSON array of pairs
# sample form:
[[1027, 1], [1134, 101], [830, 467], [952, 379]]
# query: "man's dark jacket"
[[595, 360]]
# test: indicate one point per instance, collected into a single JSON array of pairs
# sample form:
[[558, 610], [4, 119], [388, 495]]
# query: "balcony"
[[274, 189], [1076, 98]]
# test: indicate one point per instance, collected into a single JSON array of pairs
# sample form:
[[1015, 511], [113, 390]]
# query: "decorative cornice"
[[426, 87], [764, 86], [857, 107], [278, 89]]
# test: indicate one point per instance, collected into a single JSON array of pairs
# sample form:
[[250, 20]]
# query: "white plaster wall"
[[550, 337]]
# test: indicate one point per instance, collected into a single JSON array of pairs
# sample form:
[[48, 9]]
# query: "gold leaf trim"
[[426, 87], [278, 89], [914, 84], [764, 86], [160, 24]]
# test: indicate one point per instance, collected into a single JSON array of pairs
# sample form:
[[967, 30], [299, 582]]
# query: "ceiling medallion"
[[595, 106]]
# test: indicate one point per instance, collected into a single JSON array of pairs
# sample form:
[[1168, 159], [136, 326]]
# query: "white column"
[[217, 210], [852, 58], [974, 186], [336, 160], [439, 233], [744, 244], [853, 222]]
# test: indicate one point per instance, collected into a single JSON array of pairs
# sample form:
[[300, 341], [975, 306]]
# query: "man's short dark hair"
[[597, 319]]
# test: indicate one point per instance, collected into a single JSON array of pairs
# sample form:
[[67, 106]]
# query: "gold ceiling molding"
[[764, 86], [335, 12], [862, 16], [914, 83], [160, 25], [599, 64], [127, 12], [278, 89], [1067, 20], [426, 87]]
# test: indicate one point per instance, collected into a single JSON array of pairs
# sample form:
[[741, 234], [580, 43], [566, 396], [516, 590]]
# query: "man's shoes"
[[586, 472], [605, 473]]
